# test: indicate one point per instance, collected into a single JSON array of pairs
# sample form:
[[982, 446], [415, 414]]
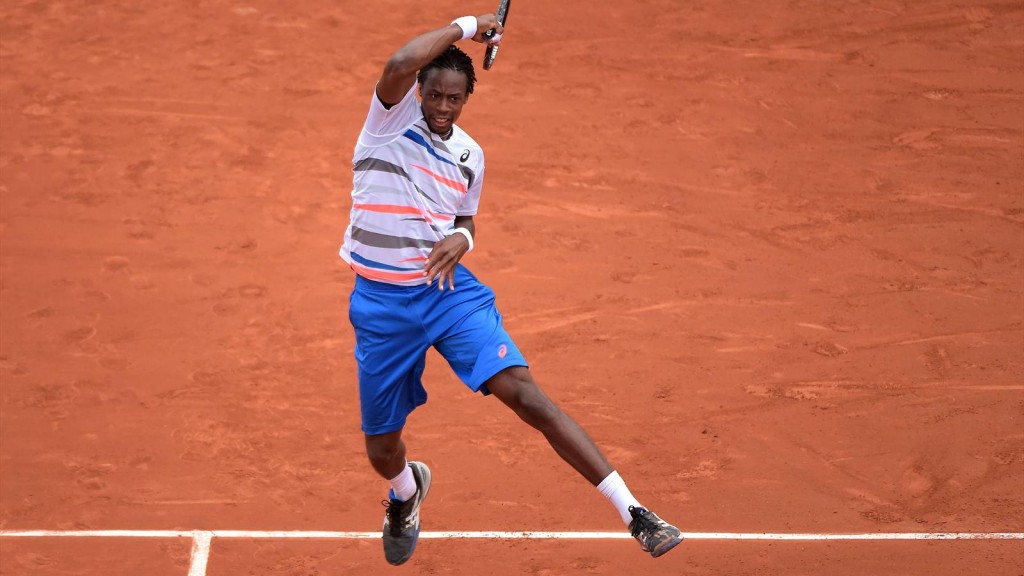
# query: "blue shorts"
[[396, 325]]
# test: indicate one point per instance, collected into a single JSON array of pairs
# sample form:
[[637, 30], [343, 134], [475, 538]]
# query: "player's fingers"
[[447, 275], [434, 275], [443, 278], [492, 30], [436, 272], [434, 262]]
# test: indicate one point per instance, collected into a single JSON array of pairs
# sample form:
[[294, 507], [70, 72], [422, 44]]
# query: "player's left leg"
[[516, 388], [466, 329]]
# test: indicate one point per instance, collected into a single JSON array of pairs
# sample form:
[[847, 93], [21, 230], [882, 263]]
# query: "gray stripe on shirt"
[[378, 240], [376, 164]]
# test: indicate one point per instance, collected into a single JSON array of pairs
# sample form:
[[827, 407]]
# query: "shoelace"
[[394, 513], [643, 524]]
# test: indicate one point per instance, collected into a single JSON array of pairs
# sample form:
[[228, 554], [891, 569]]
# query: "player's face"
[[443, 94]]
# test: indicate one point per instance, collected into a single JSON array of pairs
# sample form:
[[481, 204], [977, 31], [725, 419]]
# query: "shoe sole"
[[665, 547]]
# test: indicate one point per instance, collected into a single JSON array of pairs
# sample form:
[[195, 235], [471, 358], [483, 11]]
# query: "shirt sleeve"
[[383, 124]]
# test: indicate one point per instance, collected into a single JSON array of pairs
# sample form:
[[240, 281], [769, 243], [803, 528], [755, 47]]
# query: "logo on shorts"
[[464, 157], [502, 351]]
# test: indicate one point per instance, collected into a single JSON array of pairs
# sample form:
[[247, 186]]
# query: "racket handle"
[[492, 51], [489, 56]]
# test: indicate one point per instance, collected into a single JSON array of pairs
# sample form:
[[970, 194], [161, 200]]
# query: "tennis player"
[[417, 180]]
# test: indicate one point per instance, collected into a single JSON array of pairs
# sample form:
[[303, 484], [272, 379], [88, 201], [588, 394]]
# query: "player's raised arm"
[[400, 71]]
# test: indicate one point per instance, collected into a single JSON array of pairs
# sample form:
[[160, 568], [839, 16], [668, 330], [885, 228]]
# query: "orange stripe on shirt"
[[385, 276], [456, 184], [397, 209]]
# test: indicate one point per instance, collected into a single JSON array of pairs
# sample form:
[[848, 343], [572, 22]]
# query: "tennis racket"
[[492, 51]]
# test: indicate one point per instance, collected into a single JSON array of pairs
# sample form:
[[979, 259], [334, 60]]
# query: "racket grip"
[[492, 53], [492, 50]]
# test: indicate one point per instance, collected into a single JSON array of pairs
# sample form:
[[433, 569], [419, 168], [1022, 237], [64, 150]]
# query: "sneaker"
[[654, 534], [402, 520]]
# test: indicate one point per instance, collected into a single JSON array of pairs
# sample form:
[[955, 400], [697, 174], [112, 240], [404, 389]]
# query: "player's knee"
[[539, 411], [534, 407], [381, 451], [517, 389]]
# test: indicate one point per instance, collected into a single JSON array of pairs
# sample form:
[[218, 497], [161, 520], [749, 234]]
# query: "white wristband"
[[465, 232], [468, 25]]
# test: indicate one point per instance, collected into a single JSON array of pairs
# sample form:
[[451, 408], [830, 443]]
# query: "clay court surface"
[[768, 253]]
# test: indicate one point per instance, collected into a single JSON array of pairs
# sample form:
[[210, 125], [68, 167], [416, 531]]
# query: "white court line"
[[200, 553], [203, 537]]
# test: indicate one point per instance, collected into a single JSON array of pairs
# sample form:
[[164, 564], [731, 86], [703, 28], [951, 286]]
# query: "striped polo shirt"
[[408, 186]]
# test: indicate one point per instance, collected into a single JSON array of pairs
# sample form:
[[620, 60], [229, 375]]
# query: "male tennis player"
[[416, 187]]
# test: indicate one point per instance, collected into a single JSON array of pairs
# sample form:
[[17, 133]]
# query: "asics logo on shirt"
[[464, 157]]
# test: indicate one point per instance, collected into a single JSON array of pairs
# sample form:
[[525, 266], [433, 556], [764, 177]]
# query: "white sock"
[[614, 489], [403, 486]]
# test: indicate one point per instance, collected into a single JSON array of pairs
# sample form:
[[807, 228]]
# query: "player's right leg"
[[391, 355], [410, 483]]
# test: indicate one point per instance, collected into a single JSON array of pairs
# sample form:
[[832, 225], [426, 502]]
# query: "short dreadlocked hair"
[[452, 59]]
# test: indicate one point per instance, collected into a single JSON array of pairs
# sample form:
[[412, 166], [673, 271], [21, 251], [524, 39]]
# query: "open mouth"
[[441, 125]]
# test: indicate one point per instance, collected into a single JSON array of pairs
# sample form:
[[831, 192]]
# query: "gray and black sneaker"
[[654, 534], [402, 520]]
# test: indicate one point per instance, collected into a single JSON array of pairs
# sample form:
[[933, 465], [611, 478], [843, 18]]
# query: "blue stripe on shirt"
[[417, 138], [378, 265]]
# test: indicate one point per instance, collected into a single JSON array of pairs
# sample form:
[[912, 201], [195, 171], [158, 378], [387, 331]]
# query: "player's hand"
[[484, 24], [440, 265]]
